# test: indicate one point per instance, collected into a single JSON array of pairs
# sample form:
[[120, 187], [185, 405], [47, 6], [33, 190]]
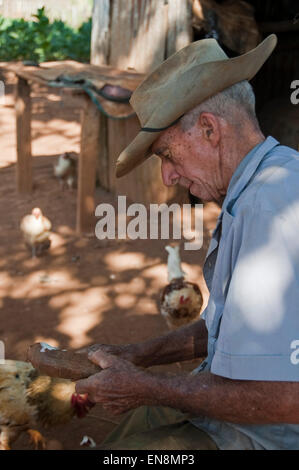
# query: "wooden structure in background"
[[92, 123], [138, 35], [23, 131], [90, 142]]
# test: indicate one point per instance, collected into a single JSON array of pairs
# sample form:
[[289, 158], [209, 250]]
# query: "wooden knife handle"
[[61, 363]]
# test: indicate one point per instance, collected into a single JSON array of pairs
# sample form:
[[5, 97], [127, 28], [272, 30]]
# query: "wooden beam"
[[100, 36], [100, 41], [90, 141], [138, 31], [23, 130], [179, 32]]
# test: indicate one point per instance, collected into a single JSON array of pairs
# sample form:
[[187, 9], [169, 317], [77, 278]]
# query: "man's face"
[[189, 160]]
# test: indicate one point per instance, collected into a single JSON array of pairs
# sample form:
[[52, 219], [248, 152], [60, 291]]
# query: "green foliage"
[[40, 40]]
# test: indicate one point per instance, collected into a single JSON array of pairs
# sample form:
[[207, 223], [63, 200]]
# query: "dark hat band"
[[153, 129]]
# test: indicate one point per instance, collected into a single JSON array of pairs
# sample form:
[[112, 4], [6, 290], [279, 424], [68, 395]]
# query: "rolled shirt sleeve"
[[258, 336]]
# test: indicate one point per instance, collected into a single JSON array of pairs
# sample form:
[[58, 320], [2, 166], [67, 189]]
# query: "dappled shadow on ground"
[[88, 285], [83, 290]]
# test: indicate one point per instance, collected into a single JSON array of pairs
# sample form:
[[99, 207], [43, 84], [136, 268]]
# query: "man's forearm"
[[186, 343], [236, 401]]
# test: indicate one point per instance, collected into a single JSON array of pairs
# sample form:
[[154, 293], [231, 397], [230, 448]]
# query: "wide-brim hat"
[[184, 80]]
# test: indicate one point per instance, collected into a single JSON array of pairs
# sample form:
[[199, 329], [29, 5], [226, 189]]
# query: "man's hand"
[[129, 352], [119, 387], [183, 344]]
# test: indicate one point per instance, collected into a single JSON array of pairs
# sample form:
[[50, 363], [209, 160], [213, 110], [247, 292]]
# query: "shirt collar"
[[246, 169]]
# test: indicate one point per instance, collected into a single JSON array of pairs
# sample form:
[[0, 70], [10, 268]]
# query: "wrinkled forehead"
[[164, 139]]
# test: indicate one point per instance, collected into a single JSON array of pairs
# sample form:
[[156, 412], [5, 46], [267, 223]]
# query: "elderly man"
[[197, 112]]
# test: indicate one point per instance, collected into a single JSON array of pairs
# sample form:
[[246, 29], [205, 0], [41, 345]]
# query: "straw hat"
[[186, 79]]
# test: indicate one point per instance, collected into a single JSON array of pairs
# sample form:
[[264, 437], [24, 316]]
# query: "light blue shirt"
[[252, 272]]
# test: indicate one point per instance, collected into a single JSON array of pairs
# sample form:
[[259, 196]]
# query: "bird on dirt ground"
[[65, 169], [28, 398], [180, 301], [35, 228]]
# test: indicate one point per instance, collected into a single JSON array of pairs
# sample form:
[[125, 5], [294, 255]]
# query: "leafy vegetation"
[[41, 40]]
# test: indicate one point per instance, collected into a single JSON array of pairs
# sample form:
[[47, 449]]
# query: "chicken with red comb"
[[181, 301], [28, 398]]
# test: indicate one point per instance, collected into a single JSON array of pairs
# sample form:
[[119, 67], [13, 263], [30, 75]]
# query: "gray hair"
[[239, 99]]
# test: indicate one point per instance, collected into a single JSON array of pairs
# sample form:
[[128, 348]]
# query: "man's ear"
[[210, 127]]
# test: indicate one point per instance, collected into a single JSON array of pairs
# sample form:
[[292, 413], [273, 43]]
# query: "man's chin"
[[202, 195], [197, 193], [185, 183]]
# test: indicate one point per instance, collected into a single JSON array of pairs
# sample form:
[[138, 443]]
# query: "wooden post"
[[90, 140], [179, 32], [23, 130], [100, 38], [100, 32]]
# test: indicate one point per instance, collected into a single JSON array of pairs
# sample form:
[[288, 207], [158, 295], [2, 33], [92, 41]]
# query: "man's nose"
[[169, 174]]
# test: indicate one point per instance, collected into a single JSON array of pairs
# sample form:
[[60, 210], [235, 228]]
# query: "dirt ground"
[[83, 291]]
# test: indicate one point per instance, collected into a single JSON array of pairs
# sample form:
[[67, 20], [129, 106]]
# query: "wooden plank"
[[100, 39], [103, 158], [119, 134], [90, 137], [179, 25], [138, 34], [23, 131], [100, 32], [98, 76]]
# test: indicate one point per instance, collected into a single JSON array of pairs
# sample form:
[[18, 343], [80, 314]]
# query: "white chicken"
[[35, 228], [181, 301], [65, 170]]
